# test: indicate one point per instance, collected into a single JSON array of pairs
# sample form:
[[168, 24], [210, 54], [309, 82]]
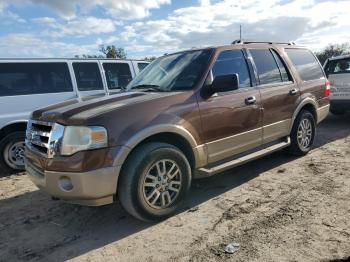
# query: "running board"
[[205, 172]]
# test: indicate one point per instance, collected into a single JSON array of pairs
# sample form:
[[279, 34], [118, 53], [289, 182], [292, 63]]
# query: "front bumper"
[[92, 188]]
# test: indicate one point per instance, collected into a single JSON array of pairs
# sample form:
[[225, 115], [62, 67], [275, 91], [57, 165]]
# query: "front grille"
[[44, 137]]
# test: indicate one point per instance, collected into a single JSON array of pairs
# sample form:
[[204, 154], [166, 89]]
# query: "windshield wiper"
[[148, 87]]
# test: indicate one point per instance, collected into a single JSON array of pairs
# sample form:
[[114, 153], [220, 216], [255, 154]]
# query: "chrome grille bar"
[[44, 138]]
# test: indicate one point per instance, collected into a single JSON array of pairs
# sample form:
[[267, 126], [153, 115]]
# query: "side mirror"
[[225, 83]]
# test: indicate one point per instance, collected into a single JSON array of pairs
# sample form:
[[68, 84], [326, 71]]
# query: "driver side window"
[[232, 62]]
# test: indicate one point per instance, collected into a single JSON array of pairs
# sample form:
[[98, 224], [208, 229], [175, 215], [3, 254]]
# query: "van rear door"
[[338, 72]]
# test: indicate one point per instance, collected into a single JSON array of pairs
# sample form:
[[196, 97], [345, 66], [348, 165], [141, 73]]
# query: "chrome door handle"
[[250, 100], [293, 92]]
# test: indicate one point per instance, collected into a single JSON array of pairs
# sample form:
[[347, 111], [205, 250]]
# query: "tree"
[[150, 58], [111, 51], [333, 50]]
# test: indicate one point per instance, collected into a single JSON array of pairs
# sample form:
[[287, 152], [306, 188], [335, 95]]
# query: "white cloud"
[[81, 26], [29, 45], [120, 9], [217, 23]]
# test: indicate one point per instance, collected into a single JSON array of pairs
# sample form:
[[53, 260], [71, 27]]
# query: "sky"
[[58, 28]]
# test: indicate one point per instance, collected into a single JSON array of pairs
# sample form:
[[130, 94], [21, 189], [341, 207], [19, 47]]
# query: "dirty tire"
[[5, 143], [132, 191], [296, 148]]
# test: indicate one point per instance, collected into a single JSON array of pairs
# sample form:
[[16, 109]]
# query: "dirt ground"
[[278, 208]]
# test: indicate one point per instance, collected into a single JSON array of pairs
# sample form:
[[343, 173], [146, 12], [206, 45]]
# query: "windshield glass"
[[341, 66], [179, 71]]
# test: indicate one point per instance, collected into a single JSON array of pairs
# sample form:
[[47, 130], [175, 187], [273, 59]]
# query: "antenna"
[[240, 33]]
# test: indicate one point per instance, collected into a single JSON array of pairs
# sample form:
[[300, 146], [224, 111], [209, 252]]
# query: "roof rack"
[[261, 42]]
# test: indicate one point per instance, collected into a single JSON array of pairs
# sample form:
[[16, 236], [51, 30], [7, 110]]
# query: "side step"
[[205, 172]]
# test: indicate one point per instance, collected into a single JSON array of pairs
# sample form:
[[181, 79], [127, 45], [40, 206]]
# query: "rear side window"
[[118, 75], [88, 76], [305, 63], [283, 69], [341, 66], [268, 71], [34, 78], [141, 66], [232, 62]]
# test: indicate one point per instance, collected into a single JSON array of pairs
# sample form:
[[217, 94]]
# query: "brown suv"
[[188, 115]]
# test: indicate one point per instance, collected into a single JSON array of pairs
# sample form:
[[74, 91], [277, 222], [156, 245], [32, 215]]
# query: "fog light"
[[65, 183]]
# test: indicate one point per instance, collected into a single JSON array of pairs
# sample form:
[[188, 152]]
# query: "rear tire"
[[303, 134], [154, 181], [12, 153]]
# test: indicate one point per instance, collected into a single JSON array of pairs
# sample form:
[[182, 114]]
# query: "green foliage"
[[333, 50], [111, 51], [150, 58]]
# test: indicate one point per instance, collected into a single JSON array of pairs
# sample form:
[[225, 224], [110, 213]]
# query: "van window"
[[34, 78], [268, 71], [118, 75], [232, 62], [305, 63], [340, 66], [141, 66], [88, 76]]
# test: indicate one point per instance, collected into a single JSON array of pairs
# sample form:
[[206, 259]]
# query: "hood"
[[86, 108]]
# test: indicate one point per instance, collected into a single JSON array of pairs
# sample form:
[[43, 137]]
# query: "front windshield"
[[179, 71]]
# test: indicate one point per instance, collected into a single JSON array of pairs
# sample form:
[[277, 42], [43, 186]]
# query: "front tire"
[[12, 152], [154, 181], [303, 134]]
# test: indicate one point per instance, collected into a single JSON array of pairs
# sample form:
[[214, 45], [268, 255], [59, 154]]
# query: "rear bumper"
[[93, 188], [322, 113]]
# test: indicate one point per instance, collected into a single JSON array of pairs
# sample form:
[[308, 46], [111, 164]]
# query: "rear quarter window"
[[34, 78], [341, 66], [305, 63]]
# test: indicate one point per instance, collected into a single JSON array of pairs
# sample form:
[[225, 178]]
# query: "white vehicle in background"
[[29, 84], [338, 73]]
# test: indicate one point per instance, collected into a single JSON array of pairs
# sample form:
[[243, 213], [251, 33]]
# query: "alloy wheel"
[[162, 183]]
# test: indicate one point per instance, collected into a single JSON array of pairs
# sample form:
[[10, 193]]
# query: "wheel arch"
[[308, 104], [174, 135], [13, 127]]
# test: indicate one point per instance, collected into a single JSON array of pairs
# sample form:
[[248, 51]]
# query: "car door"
[[231, 121], [279, 93], [88, 78]]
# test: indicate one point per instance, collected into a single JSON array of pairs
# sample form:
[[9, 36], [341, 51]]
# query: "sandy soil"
[[278, 208]]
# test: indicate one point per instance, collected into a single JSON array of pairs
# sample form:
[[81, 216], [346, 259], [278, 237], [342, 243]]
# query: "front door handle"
[[250, 100], [293, 92]]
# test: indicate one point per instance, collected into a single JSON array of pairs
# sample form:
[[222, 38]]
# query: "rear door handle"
[[293, 92], [250, 100]]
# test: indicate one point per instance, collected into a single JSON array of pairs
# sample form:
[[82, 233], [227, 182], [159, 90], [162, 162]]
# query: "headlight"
[[78, 138]]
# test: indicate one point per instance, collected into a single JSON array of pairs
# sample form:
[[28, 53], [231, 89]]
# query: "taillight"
[[327, 89]]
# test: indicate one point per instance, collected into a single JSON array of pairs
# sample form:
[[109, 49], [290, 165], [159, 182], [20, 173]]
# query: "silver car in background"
[[338, 72], [29, 84]]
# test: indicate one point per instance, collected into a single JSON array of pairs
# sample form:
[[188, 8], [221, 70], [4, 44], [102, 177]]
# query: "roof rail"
[[261, 42]]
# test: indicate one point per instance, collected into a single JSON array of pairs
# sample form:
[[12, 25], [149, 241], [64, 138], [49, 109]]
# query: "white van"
[[338, 73], [29, 84]]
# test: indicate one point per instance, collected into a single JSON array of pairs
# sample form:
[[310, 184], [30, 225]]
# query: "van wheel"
[[303, 134], [154, 181], [12, 152]]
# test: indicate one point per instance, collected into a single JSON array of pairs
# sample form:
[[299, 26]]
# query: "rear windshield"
[[34, 78], [305, 63], [341, 66]]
